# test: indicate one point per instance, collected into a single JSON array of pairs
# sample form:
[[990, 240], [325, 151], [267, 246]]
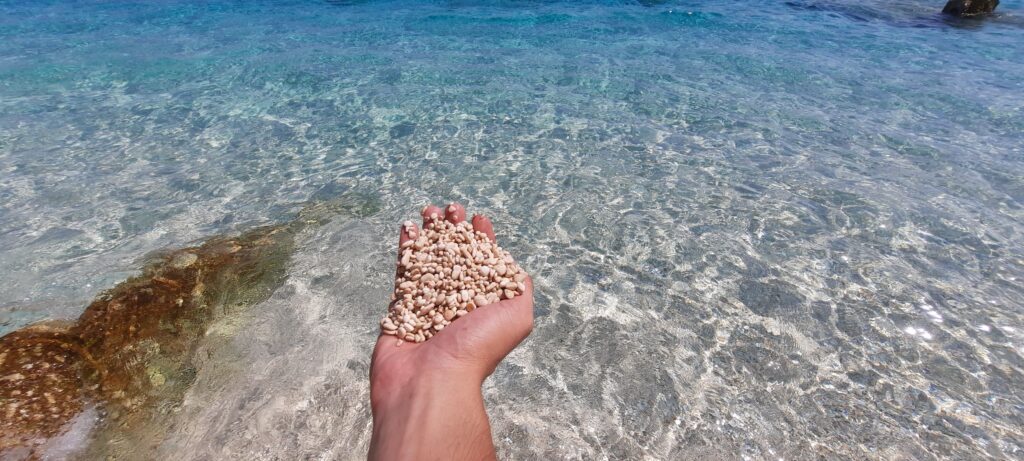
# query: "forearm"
[[432, 418]]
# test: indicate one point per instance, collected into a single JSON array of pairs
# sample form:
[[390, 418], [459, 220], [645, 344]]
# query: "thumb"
[[484, 337]]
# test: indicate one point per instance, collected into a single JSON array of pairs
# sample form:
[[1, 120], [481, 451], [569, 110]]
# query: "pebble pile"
[[446, 271]]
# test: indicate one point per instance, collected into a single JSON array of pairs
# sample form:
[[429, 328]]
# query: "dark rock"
[[402, 130], [970, 7], [773, 298]]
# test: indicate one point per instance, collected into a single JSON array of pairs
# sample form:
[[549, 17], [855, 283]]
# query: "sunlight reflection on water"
[[758, 230]]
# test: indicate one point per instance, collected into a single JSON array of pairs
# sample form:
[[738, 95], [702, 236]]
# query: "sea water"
[[761, 230]]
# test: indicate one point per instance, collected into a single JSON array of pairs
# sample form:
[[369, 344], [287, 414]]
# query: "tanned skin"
[[426, 398]]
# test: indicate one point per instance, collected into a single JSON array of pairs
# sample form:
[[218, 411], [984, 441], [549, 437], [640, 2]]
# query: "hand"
[[426, 396]]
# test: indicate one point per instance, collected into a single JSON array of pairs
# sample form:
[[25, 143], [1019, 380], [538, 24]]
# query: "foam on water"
[[756, 230]]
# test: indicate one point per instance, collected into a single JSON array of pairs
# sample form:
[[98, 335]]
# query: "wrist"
[[418, 419], [421, 387], [394, 387]]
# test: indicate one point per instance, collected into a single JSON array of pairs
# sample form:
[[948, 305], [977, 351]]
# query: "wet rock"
[[964, 8], [402, 130], [770, 298], [756, 354], [41, 385], [183, 260], [130, 351], [863, 377]]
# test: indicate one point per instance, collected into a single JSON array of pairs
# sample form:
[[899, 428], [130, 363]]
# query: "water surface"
[[757, 229]]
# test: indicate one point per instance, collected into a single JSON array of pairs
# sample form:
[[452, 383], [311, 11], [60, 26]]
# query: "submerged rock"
[[131, 347], [41, 385], [130, 354], [970, 7]]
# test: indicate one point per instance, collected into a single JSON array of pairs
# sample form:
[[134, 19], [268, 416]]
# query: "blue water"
[[759, 229]]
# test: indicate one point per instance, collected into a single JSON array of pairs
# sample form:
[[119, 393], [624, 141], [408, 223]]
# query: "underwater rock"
[[964, 8], [131, 348], [41, 384], [130, 353]]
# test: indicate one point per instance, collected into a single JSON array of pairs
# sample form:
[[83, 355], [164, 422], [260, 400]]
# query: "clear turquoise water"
[[759, 229]]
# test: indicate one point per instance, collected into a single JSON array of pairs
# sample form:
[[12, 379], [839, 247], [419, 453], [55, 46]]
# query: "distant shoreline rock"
[[967, 8]]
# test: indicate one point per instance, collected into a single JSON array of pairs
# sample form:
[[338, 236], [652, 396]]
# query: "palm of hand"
[[470, 347]]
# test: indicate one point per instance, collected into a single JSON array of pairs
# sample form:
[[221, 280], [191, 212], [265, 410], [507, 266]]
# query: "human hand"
[[426, 396]]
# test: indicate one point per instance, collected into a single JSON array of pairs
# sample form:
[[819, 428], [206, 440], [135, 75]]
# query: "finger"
[[430, 212], [524, 302], [482, 224], [509, 322], [487, 334], [455, 213]]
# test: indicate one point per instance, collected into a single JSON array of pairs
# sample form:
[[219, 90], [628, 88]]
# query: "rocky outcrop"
[[130, 354], [131, 347], [964, 8]]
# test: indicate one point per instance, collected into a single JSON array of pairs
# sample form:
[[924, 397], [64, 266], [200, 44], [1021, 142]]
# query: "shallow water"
[[757, 230]]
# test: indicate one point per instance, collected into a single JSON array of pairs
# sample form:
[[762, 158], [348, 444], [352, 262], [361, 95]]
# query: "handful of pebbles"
[[445, 272]]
